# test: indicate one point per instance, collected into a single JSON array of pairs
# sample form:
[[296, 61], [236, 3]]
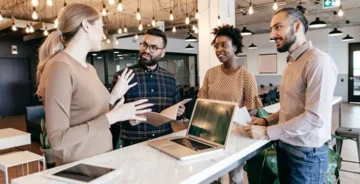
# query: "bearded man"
[[153, 83]]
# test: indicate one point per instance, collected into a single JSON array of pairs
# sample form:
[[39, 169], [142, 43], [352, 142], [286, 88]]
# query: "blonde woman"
[[76, 102]]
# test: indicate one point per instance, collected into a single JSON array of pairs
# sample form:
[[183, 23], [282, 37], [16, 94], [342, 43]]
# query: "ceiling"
[[257, 22]]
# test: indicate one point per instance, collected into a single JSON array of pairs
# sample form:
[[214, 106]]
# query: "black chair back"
[[190, 92], [35, 113]]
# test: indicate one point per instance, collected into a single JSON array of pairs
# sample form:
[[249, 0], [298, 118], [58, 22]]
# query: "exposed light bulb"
[[34, 14], [136, 37], [194, 27], [338, 3], [1, 17], [104, 11], [35, 2], [187, 20], [196, 31], [49, 3], [174, 29], [341, 12], [197, 14], [251, 9], [108, 40], [125, 29], [111, 2], [31, 28], [119, 30], [120, 7], [46, 32], [153, 22], [27, 30], [219, 21], [171, 16], [138, 16], [13, 27], [275, 6], [116, 42], [56, 22], [140, 27]]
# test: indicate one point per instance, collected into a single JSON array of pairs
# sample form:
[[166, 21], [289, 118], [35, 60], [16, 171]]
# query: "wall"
[[336, 48], [174, 45]]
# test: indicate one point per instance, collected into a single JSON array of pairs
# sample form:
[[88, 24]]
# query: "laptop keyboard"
[[194, 145]]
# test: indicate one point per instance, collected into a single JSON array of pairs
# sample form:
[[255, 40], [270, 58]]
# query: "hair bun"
[[301, 9]]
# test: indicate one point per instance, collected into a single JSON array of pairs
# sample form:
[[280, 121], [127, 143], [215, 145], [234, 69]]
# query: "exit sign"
[[331, 4]]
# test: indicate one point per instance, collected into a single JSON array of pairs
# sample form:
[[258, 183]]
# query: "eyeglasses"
[[152, 48]]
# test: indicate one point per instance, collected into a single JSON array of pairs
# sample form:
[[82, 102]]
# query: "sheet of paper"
[[242, 116], [172, 111], [166, 115]]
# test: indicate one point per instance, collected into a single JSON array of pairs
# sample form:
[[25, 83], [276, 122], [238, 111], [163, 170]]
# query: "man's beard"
[[152, 62], [289, 41]]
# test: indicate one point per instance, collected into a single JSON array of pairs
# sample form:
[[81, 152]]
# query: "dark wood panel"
[[14, 86]]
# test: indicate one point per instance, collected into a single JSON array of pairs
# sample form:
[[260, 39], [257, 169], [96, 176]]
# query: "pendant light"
[[189, 47], [317, 23], [252, 46], [335, 32]]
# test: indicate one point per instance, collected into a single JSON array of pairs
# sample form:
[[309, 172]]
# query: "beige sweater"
[[75, 105]]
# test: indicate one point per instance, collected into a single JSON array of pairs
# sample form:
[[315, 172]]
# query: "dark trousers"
[[301, 165]]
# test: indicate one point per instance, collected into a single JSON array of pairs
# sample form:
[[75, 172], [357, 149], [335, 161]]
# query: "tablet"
[[83, 173]]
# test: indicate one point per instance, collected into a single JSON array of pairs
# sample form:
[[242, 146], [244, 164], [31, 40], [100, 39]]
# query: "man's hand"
[[257, 121], [181, 110], [256, 132]]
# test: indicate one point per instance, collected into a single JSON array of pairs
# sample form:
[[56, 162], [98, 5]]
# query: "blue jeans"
[[301, 165]]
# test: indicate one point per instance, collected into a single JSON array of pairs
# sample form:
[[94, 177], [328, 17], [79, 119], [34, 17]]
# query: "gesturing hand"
[[122, 85], [129, 111]]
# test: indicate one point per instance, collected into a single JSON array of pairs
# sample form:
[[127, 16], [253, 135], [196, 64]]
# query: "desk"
[[336, 100], [141, 163], [12, 138]]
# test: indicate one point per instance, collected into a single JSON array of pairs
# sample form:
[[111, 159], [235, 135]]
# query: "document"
[[168, 114], [242, 116]]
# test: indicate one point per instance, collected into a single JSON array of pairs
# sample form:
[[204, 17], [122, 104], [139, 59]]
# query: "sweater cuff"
[[273, 132]]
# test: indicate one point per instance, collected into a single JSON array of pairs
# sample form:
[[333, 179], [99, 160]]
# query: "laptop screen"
[[211, 120]]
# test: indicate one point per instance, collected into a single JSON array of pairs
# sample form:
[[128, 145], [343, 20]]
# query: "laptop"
[[208, 132]]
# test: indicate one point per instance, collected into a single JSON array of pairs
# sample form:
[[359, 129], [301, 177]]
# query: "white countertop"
[[141, 163], [276, 107]]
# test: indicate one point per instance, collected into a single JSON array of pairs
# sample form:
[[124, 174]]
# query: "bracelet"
[[266, 121]]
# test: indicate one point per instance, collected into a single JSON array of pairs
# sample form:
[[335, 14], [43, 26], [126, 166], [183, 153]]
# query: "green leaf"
[[333, 136], [47, 144], [42, 139], [43, 129]]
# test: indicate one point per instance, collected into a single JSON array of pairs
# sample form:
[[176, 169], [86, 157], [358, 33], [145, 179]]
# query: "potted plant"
[[46, 147]]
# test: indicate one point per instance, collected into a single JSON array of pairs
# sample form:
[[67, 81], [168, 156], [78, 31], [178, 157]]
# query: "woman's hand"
[[129, 111], [122, 85]]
